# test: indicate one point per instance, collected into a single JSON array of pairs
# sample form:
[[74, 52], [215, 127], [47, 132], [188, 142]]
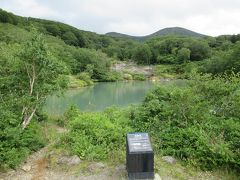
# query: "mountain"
[[177, 31]]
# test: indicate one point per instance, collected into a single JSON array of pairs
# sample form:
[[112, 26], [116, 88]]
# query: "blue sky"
[[135, 17]]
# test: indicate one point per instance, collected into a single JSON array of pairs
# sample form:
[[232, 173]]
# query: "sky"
[[135, 17]]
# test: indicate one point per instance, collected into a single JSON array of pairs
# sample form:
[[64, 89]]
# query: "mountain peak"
[[177, 31]]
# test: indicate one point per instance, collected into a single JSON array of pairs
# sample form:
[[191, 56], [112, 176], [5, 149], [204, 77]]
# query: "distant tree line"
[[158, 50]]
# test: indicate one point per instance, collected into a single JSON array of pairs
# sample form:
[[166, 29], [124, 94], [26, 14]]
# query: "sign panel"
[[139, 142]]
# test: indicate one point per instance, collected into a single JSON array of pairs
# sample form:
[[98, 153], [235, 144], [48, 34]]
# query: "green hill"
[[69, 34], [175, 31], [76, 37]]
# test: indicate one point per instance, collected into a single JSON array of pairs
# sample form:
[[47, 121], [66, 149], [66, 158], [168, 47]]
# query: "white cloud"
[[135, 17], [28, 8]]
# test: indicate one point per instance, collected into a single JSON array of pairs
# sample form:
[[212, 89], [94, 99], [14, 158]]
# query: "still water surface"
[[100, 96]]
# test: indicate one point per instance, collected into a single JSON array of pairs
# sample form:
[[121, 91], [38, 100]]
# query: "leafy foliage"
[[85, 77], [183, 55], [223, 61], [198, 123], [139, 77], [95, 138], [28, 73], [142, 54], [17, 144]]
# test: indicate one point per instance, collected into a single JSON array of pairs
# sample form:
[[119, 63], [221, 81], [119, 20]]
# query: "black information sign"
[[139, 142], [140, 156]]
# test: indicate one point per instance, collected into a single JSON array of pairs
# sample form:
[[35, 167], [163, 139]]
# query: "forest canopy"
[[38, 56]]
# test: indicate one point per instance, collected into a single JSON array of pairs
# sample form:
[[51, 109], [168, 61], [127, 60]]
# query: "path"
[[38, 166]]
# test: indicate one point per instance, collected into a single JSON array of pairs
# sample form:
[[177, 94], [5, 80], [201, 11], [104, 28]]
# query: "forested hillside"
[[170, 49], [198, 123]]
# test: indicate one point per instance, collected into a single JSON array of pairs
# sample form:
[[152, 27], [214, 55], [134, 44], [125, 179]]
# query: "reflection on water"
[[100, 96]]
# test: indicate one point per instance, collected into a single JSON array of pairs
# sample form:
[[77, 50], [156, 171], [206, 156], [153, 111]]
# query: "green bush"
[[69, 114], [85, 77], [223, 61], [93, 136], [113, 76], [16, 144], [198, 123], [166, 59], [139, 77], [127, 76]]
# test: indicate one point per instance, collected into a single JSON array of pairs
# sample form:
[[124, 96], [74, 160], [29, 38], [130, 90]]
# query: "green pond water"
[[100, 96]]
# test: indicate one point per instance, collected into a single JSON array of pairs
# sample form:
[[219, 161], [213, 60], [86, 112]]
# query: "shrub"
[[198, 123], [139, 77], [166, 59], [113, 76], [69, 114], [224, 62], [127, 76], [17, 144], [85, 77], [93, 136]]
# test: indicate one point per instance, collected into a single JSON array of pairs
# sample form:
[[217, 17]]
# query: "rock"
[[26, 168], [62, 160], [96, 166], [99, 165], [169, 159], [69, 160], [120, 169], [157, 177], [74, 160]]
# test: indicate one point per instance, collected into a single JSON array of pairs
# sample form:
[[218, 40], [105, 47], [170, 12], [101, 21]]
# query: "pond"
[[100, 96]]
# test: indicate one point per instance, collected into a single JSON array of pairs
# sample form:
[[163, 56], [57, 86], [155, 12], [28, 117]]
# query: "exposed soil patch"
[[42, 164], [133, 68]]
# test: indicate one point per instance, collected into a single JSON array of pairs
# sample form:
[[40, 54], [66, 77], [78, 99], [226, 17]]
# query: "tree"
[[37, 75], [199, 50], [7, 17], [70, 38], [224, 61], [121, 54], [234, 38], [81, 39], [89, 69], [142, 54], [233, 62], [111, 51], [183, 55], [16, 143], [53, 29]]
